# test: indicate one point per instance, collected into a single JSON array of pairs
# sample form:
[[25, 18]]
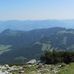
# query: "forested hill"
[[16, 45]]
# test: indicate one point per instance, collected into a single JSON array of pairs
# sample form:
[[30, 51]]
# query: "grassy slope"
[[4, 48], [68, 69]]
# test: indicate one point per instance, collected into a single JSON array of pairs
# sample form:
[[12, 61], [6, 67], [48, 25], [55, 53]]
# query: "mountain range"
[[27, 25], [16, 45]]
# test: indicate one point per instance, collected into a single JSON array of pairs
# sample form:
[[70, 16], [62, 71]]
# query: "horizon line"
[[36, 20]]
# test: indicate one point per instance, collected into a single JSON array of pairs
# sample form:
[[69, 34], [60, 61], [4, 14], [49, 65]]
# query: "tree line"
[[54, 57]]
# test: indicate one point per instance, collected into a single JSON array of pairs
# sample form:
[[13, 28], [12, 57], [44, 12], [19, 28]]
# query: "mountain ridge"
[[30, 44], [27, 25]]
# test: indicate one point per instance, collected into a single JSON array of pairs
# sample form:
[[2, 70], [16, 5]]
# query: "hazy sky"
[[36, 9]]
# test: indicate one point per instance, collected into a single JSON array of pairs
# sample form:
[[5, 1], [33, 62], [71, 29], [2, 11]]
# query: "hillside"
[[30, 44]]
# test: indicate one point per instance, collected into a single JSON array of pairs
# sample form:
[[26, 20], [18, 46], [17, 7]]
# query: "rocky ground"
[[30, 69]]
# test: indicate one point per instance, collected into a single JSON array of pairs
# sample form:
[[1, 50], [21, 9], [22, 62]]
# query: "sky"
[[36, 9]]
